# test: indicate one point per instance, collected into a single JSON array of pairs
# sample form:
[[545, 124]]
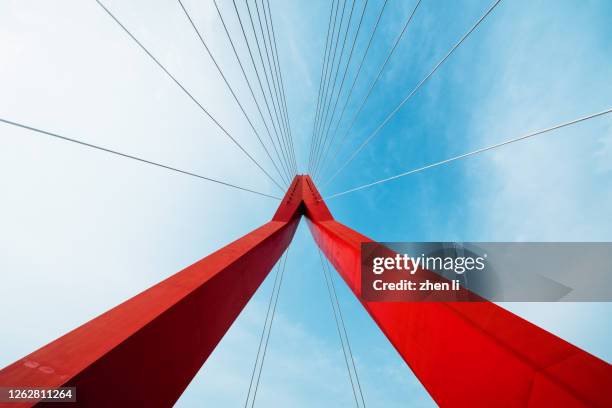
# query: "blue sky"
[[83, 231]]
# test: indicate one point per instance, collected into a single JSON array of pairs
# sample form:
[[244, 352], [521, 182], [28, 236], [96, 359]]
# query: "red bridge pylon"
[[145, 351]]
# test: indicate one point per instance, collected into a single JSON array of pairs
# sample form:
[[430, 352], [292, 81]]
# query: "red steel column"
[[468, 354], [145, 351]]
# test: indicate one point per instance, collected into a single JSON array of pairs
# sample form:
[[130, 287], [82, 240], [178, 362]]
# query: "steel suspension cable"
[[267, 40], [279, 120], [419, 85], [379, 74], [246, 116], [331, 93], [323, 67], [276, 133], [279, 91], [176, 81], [348, 344], [333, 114], [327, 82], [335, 69], [280, 73], [474, 152], [263, 331], [129, 156], [265, 347], [352, 88], [337, 321], [331, 58], [324, 82]]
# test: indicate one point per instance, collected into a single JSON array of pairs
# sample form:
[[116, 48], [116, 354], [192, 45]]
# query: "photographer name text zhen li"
[[408, 285], [411, 264]]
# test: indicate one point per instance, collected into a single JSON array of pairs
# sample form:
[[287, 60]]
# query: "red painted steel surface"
[[471, 354], [145, 351]]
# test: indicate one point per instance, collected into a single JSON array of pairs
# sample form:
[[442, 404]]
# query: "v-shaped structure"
[[145, 351]]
